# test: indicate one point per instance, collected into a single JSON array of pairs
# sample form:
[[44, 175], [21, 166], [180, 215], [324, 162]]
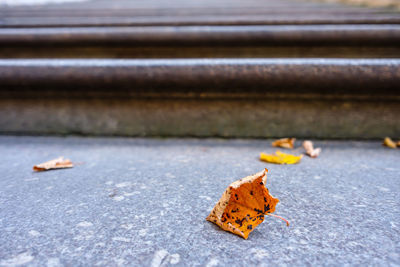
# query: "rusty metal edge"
[[201, 76], [386, 34], [172, 21]]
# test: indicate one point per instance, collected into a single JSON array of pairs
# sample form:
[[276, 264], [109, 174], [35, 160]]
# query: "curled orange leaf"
[[243, 205]]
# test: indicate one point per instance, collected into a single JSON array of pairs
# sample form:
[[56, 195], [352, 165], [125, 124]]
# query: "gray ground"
[[144, 202], [35, 2]]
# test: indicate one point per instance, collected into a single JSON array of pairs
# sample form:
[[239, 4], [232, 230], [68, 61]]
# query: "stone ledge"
[[202, 117]]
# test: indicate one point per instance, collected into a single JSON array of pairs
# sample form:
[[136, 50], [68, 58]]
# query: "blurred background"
[[258, 68], [387, 3]]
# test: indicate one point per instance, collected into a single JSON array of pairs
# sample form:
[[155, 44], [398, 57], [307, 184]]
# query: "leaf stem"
[[279, 217]]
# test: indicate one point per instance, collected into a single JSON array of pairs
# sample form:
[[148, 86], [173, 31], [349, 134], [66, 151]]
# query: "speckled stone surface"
[[144, 202]]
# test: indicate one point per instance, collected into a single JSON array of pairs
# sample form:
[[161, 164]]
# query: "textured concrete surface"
[[35, 2], [392, 4], [182, 12], [144, 202]]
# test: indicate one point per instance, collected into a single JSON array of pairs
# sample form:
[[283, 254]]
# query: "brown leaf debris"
[[284, 143], [310, 151], [58, 163]]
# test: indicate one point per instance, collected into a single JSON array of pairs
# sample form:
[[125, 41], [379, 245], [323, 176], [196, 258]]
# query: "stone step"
[[324, 98], [200, 77], [224, 68], [246, 41]]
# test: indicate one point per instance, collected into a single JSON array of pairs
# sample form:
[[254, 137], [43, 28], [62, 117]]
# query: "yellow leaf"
[[389, 142], [280, 158]]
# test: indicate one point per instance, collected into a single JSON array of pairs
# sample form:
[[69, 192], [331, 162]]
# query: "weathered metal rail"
[[242, 41], [215, 35], [195, 77]]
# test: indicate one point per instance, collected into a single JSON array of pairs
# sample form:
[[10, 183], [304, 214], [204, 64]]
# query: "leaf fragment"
[[243, 205], [280, 158], [284, 143], [389, 142], [310, 151], [58, 163]]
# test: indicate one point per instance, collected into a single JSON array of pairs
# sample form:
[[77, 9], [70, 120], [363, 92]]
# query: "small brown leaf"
[[284, 143], [389, 142], [58, 163], [310, 151], [398, 143]]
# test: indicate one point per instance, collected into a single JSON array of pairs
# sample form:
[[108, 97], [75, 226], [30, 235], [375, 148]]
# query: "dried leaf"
[[389, 142], [398, 143], [243, 205], [58, 163], [280, 158], [310, 151], [284, 142]]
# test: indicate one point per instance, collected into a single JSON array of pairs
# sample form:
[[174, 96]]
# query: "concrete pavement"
[[144, 202]]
